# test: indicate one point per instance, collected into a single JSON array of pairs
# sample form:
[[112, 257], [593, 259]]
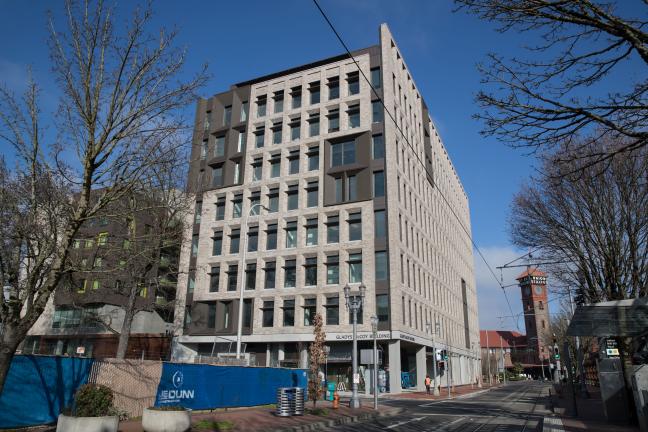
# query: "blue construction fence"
[[38, 388]]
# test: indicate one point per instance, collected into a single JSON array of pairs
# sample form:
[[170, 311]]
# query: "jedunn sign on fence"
[[198, 386]]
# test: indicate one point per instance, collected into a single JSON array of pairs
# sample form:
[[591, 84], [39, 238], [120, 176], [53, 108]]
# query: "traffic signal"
[[441, 365], [556, 353]]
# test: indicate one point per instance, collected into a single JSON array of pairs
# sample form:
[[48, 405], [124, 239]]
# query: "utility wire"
[[490, 269]]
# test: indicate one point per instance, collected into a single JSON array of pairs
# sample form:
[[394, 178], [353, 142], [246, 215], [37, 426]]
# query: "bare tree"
[[592, 225], [549, 99], [118, 119], [317, 357]]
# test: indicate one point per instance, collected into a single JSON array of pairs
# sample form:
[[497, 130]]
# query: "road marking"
[[405, 422]]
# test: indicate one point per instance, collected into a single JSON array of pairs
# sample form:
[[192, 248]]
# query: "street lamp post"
[[354, 304], [435, 390], [374, 330], [239, 328], [327, 350]]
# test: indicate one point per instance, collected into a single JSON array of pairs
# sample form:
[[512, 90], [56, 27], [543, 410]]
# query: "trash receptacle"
[[331, 390], [290, 401]]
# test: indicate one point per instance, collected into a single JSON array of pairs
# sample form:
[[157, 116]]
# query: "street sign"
[[356, 378]]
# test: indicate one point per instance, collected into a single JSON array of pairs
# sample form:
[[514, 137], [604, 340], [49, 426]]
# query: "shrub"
[[168, 408], [93, 400]]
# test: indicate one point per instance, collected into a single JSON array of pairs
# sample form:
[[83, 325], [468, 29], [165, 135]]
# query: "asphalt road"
[[516, 407]]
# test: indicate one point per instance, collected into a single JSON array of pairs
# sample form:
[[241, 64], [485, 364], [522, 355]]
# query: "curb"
[[463, 396], [341, 421]]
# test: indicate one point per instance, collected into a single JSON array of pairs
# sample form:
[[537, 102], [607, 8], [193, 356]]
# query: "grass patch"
[[213, 425], [318, 411]]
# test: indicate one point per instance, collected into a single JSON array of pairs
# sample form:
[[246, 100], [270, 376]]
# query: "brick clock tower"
[[533, 284]]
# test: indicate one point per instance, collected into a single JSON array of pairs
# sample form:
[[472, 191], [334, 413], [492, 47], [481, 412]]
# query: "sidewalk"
[[457, 392], [263, 419], [590, 417]]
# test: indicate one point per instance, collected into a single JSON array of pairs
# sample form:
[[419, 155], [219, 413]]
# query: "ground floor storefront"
[[403, 362]]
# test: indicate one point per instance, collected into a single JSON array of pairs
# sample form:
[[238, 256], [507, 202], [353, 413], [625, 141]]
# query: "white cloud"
[[491, 300]]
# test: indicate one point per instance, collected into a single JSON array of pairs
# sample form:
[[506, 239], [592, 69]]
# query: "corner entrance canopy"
[[628, 318]]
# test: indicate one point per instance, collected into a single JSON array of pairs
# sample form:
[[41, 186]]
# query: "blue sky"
[[244, 39]]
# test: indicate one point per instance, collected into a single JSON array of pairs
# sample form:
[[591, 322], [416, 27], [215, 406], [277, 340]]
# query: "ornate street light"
[[354, 304], [374, 330]]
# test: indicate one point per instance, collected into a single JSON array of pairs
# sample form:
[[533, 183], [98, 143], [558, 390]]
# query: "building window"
[[235, 237], [227, 115], [237, 204], [204, 149], [89, 243], [339, 189], [379, 183], [334, 87], [270, 271], [313, 158], [259, 137], [312, 191], [76, 244], [292, 195], [217, 246], [353, 81], [244, 110], [232, 274], [247, 313], [102, 238], [271, 237], [314, 89], [191, 283], [295, 129], [253, 239], [376, 111], [219, 146], [276, 133], [217, 176], [333, 120], [214, 279], [310, 309], [380, 227], [355, 268], [332, 310], [97, 284], [377, 147], [313, 125], [241, 141], [381, 265], [267, 313], [333, 229], [352, 188], [194, 245], [197, 218], [237, 172], [290, 273], [332, 269], [355, 226], [255, 201], [296, 94], [311, 232], [382, 307], [278, 101], [257, 169], [291, 234], [273, 200], [288, 313], [375, 78], [220, 208], [250, 276], [275, 165], [293, 162], [354, 116], [261, 106], [206, 122], [310, 271], [343, 153], [211, 315]]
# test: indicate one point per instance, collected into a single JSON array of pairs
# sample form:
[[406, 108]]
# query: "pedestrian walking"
[[428, 382]]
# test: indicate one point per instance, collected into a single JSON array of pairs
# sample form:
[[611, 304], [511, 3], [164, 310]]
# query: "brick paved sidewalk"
[[263, 418], [457, 391]]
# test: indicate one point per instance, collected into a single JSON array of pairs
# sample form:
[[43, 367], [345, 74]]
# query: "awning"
[[628, 318]]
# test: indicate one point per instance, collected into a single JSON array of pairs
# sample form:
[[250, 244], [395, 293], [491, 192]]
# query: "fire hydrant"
[[336, 400]]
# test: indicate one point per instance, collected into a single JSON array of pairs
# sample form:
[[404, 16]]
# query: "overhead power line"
[[415, 152]]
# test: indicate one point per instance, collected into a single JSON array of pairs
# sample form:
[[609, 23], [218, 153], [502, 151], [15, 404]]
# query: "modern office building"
[[115, 255], [337, 194]]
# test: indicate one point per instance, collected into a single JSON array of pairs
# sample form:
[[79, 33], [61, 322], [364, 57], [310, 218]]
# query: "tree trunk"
[[129, 314], [9, 342]]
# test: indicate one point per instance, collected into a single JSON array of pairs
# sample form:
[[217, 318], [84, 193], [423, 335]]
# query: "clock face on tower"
[[538, 290]]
